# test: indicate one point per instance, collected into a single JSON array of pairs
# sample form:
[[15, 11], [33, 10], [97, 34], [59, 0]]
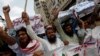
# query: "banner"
[[82, 9], [36, 22], [89, 48]]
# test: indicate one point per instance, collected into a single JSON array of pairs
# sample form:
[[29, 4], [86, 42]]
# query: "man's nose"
[[21, 36]]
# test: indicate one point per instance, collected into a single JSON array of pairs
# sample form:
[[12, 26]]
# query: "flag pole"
[[25, 5]]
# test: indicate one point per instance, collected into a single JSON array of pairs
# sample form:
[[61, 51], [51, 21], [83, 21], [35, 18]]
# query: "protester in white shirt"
[[84, 29], [26, 46], [71, 36], [52, 41]]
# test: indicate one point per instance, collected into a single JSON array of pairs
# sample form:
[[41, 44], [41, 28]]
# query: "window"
[[53, 2], [59, 1], [47, 15], [37, 4], [45, 9]]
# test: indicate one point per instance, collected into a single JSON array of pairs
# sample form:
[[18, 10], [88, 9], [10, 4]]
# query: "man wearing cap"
[[52, 41]]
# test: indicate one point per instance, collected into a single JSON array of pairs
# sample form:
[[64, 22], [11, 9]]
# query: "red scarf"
[[31, 47]]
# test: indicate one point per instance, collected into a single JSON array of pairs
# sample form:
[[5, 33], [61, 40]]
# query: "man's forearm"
[[9, 40], [8, 21], [31, 33]]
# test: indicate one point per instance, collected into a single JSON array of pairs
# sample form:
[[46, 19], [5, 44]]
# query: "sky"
[[17, 6]]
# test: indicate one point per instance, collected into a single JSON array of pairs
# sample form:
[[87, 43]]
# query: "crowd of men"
[[25, 42]]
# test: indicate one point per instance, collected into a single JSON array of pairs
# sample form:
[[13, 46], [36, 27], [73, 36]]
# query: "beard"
[[52, 39], [70, 33]]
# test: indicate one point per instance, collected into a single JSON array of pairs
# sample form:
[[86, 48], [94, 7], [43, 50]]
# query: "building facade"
[[46, 7], [41, 8]]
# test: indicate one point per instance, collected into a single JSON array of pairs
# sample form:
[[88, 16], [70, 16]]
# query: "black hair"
[[21, 29], [66, 24], [24, 30], [64, 29]]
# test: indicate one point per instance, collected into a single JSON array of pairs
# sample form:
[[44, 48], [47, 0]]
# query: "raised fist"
[[6, 9], [25, 17], [55, 12]]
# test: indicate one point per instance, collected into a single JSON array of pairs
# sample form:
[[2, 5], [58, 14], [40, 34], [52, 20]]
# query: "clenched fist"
[[6, 9], [25, 17]]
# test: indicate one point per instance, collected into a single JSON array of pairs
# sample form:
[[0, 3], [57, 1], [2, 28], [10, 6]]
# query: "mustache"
[[52, 39]]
